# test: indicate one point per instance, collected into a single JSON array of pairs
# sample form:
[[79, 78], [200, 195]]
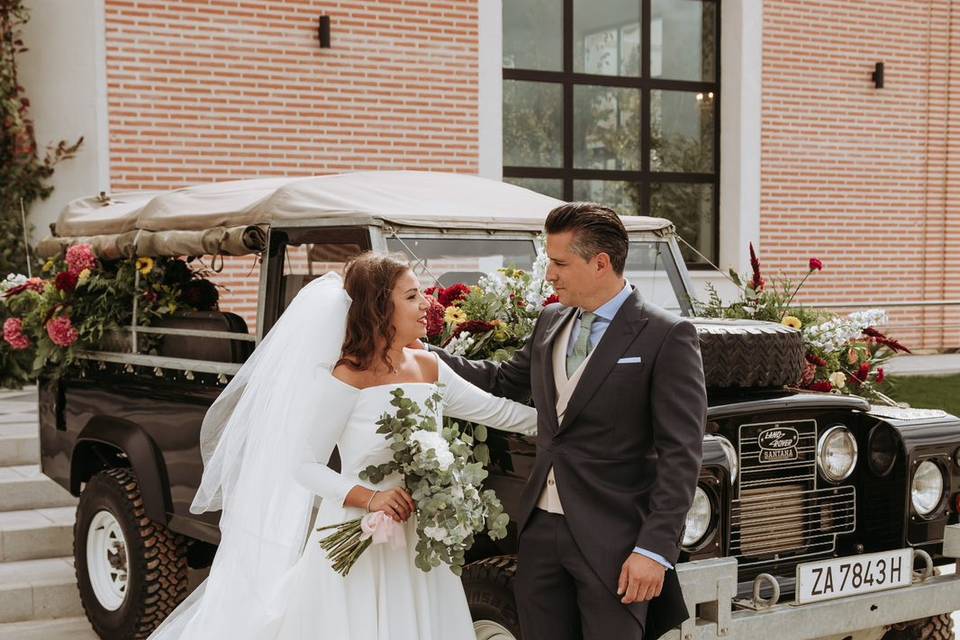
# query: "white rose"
[[431, 440], [838, 379], [435, 533]]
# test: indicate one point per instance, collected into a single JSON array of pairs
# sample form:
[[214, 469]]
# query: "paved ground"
[[940, 364]]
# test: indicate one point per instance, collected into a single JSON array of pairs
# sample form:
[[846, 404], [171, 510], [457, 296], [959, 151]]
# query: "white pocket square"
[[633, 360]]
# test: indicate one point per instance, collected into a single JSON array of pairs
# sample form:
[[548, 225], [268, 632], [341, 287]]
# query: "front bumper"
[[710, 586]]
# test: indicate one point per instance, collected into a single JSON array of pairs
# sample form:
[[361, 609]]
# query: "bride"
[[322, 377]]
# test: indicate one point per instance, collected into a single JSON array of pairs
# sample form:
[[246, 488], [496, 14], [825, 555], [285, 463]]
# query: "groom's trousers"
[[559, 596]]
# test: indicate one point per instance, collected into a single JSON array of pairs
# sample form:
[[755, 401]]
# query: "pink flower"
[[815, 265], [13, 334], [62, 331], [80, 257]]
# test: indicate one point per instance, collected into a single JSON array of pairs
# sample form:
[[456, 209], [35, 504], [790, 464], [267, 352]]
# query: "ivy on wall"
[[24, 175]]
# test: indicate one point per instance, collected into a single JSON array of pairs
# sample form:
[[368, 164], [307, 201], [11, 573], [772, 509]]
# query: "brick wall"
[[204, 90], [865, 179]]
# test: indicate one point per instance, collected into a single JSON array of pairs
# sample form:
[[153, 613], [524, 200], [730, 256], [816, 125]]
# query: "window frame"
[[643, 177]]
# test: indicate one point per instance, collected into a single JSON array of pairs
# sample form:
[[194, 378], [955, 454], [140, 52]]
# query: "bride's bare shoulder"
[[427, 363], [345, 373]]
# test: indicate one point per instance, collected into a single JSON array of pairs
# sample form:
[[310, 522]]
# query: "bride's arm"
[[464, 401]]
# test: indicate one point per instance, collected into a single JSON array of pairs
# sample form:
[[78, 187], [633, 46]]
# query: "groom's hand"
[[641, 579]]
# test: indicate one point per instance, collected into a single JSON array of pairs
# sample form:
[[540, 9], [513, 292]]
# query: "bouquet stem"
[[344, 545]]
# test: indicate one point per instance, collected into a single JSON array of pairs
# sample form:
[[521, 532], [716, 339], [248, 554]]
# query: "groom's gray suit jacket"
[[626, 455]]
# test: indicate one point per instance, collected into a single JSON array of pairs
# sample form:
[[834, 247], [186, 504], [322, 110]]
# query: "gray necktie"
[[581, 348]]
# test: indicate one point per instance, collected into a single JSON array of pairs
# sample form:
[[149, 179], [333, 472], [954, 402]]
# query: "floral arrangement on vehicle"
[[492, 319], [81, 299], [438, 470], [844, 354]]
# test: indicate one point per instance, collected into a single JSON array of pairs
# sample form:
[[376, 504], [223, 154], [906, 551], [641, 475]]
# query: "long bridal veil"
[[251, 439]]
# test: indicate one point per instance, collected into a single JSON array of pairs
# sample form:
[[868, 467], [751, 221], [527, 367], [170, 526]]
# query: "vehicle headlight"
[[926, 490], [883, 449], [837, 453], [698, 519]]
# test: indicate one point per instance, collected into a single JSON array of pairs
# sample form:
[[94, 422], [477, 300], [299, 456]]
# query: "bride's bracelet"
[[372, 496]]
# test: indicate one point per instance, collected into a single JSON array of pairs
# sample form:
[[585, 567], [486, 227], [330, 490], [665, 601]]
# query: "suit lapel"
[[549, 381], [623, 330]]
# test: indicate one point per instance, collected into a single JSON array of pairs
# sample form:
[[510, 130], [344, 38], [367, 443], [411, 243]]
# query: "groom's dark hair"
[[596, 229]]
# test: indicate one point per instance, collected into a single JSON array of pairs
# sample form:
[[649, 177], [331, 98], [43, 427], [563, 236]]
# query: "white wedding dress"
[[384, 597], [265, 444]]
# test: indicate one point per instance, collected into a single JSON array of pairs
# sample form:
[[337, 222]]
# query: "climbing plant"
[[24, 175]]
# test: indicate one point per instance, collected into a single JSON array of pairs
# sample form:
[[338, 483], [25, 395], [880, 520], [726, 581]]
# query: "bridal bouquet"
[[445, 482]]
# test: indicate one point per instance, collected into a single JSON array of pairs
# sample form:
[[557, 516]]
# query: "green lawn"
[[926, 392]]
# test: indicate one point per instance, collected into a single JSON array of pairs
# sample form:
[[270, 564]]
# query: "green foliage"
[[23, 175]]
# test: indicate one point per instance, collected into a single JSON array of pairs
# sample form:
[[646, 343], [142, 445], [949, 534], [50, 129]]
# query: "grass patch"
[[926, 392]]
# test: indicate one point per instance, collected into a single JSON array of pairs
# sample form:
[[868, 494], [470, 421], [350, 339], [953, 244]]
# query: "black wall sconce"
[[877, 75], [324, 32]]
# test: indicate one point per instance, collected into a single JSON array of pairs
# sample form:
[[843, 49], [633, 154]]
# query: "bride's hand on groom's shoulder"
[[641, 579]]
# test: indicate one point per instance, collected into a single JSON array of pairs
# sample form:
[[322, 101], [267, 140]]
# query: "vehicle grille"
[[780, 514]]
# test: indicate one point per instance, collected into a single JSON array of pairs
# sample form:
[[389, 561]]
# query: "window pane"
[[650, 268], [622, 197], [683, 40], [606, 37], [606, 127], [448, 261], [681, 131], [546, 186], [533, 34], [532, 124], [690, 208]]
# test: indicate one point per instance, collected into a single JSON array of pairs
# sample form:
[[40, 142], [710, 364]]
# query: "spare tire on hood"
[[749, 353]]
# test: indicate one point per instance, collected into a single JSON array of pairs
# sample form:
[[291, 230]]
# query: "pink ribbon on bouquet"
[[382, 528]]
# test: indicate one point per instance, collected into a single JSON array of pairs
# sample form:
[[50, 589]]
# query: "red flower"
[[821, 385], [551, 300], [473, 326], [435, 318], [815, 265], [66, 281], [892, 344], [13, 334], [757, 282], [454, 293], [80, 257], [150, 296], [62, 331], [429, 292], [816, 360], [861, 374], [881, 376]]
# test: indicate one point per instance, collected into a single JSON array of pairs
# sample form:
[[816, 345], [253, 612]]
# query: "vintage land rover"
[[816, 515]]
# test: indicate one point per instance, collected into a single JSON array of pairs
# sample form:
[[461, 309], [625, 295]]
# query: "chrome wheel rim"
[[107, 560], [490, 630]]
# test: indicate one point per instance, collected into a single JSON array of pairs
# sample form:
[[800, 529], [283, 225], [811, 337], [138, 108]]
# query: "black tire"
[[489, 587], [935, 628], [749, 353], [157, 567]]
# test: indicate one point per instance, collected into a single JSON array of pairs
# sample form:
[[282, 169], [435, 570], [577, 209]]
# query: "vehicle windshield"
[[447, 261], [652, 270]]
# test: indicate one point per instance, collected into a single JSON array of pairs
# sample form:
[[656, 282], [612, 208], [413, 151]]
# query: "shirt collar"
[[609, 309]]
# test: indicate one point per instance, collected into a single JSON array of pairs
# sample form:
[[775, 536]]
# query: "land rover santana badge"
[[778, 444]]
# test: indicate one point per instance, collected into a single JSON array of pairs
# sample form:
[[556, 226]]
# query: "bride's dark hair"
[[369, 280]]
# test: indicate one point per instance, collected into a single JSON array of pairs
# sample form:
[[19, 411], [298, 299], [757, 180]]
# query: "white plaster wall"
[[491, 89], [64, 74]]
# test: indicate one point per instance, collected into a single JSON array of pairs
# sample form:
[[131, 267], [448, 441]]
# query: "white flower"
[[431, 440], [838, 379], [12, 280]]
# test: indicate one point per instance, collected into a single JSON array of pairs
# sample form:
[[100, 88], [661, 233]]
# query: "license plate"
[[857, 574]]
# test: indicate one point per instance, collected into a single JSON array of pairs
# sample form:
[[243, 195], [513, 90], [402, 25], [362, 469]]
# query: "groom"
[[618, 385]]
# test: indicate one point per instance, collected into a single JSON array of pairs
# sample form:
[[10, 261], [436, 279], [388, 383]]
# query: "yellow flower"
[[145, 265], [838, 379], [48, 265], [500, 335], [83, 276], [455, 315], [791, 321]]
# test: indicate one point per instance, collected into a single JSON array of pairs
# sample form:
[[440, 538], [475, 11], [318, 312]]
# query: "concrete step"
[[24, 487], [19, 450], [38, 590], [62, 629], [37, 533]]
